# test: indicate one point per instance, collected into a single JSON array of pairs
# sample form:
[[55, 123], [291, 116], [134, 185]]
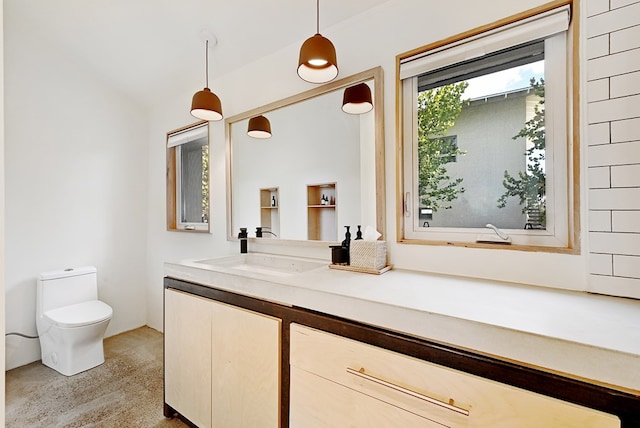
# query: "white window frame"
[[175, 140], [553, 27]]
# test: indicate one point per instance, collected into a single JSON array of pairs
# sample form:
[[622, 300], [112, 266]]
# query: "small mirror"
[[321, 169]]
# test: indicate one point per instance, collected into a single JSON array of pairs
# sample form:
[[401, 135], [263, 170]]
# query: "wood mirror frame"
[[376, 76]]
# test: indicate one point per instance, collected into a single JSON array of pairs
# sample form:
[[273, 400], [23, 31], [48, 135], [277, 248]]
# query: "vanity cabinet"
[[222, 363], [334, 380], [237, 361], [187, 355], [318, 402]]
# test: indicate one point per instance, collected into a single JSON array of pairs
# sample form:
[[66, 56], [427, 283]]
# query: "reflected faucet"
[[260, 231]]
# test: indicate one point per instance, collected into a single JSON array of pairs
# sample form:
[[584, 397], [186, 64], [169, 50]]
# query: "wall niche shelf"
[[269, 212], [321, 212]]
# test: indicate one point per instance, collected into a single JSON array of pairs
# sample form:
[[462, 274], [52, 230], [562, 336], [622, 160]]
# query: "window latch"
[[499, 238], [407, 204]]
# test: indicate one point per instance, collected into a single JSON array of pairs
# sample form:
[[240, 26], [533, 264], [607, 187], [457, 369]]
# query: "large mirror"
[[322, 169]]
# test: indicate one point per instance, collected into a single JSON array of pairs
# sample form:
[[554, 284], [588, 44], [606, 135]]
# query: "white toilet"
[[71, 321]]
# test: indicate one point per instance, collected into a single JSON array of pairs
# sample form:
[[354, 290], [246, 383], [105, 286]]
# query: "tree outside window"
[[438, 109], [529, 186]]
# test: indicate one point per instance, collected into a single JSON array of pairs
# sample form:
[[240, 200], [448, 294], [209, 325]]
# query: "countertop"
[[590, 337]]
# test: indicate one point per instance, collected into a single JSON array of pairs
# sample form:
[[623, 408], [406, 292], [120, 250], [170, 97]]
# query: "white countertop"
[[593, 337]]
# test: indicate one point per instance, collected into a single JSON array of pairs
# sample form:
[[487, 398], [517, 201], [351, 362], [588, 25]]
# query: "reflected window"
[[188, 178]]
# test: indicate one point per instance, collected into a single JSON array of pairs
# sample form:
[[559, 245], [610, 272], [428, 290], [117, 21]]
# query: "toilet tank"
[[66, 287]]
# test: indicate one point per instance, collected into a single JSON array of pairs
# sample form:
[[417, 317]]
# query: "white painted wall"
[[76, 178], [368, 40], [2, 209]]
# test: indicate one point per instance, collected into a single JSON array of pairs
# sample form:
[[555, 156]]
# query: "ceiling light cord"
[[206, 55], [205, 105], [317, 16]]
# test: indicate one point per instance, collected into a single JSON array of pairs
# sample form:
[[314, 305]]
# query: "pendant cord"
[[317, 16], [206, 55]]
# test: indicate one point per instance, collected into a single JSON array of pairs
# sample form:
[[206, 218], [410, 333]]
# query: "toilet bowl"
[[70, 319]]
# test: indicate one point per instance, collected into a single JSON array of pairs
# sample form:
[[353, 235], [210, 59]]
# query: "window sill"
[[188, 230], [496, 246]]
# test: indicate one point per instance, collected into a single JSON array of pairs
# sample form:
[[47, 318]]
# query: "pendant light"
[[317, 62], [205, 104], [259, 127], [357, 99]]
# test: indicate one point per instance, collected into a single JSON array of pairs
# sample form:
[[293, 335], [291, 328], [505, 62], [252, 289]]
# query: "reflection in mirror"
[[188, 178], [321, 169]]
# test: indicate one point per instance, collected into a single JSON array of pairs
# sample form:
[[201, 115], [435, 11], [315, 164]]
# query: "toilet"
[[70, 319]]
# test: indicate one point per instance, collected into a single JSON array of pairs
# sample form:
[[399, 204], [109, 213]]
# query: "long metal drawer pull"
[[361, 373]]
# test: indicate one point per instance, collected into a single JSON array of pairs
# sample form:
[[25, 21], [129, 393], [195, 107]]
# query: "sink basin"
[[265, 264]]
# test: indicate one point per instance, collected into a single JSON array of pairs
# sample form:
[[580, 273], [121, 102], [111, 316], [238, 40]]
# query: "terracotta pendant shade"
[[317, 62], [206, 105], [357, 99], [259, 127]]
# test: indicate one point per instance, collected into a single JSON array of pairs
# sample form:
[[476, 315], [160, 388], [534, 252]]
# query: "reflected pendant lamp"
[[317, 62], [259, 127], [357, 99], [205, 104]]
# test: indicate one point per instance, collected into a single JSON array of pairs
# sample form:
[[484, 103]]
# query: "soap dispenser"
[[346, 244], [347, 237]]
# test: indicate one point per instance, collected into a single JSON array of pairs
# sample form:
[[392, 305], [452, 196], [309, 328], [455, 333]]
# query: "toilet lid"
[[80, 314]]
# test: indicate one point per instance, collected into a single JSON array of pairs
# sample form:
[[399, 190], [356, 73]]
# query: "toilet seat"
[[80, 314]]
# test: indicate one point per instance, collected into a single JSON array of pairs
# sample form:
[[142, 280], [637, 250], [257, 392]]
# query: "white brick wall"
[[624, 130], [612, 145], [625, 221]]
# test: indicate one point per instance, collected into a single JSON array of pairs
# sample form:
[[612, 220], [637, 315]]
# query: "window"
[[485, 137], [188, 178], [446, 148]]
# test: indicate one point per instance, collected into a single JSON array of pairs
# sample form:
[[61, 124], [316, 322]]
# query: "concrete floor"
[[125, 391]]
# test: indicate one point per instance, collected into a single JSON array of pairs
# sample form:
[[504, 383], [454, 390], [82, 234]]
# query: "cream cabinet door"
[[187, 356], [245, 367]]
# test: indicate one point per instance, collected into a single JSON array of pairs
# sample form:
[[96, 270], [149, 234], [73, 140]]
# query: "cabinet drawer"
[[443, 395], [319, 403]]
